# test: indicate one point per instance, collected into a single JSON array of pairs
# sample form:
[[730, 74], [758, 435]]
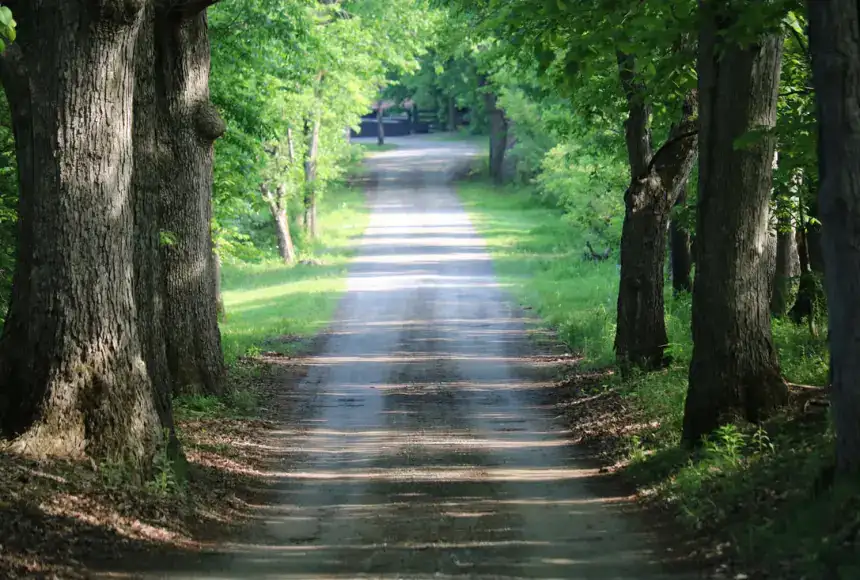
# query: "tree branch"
[[803, 91], [668, 144], [598, 257], [188, 8], [800, 41]]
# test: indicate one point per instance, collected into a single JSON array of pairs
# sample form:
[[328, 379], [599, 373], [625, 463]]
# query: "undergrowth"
[[754, 495], [272, 307]]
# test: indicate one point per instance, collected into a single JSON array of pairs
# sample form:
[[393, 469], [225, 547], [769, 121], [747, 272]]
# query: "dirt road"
[[421, 450]]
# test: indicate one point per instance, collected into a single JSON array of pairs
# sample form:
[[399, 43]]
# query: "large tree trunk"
[[655, 183], [73, 379], [452, 114], [681, 251], [149, 157], [734, 370], [190, 126], [498, 138], [835, 45]]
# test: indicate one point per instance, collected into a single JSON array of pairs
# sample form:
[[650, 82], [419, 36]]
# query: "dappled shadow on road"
[[419, 446]]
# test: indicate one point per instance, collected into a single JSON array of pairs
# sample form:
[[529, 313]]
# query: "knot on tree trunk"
[[120, 11], [209, 124]]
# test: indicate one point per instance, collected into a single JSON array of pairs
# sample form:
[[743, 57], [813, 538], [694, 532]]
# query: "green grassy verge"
[[273, 307], [375, 147], [755, 495], [459, 135]]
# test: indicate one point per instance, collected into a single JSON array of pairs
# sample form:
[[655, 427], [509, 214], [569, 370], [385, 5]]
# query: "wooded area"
[[709, 146]]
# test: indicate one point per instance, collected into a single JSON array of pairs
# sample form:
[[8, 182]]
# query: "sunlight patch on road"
[[441, 474]]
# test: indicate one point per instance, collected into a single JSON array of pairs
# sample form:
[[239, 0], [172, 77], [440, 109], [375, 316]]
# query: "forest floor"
[[58, 518]]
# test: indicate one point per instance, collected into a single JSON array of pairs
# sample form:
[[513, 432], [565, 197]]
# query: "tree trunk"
[[285, 239], [814, 241], [73, 379], [734, 370], [786, 268], [219, 297], [313, 135], [498, 138], [190, 125], [681, 250], [149, 157], [655, 183], [452, 114], [835, 45], [380, 126], [808, 290], [278, 208]]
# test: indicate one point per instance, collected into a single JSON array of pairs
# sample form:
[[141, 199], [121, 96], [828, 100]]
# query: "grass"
[[376, 148], [755, 495], [539, 253], [271, 307], [458, 135]]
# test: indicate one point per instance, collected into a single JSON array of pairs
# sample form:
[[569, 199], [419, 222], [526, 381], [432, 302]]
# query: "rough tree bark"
[[834, 29], [498, 137], [73, 376], [734, 370], [277, 202], [681, 251], [150, 157], [189, 127], [655, 183]]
